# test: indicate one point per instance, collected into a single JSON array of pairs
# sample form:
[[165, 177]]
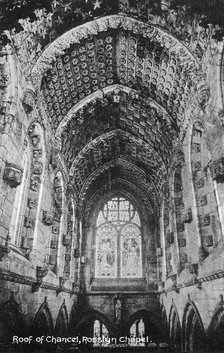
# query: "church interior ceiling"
[[118, 89]]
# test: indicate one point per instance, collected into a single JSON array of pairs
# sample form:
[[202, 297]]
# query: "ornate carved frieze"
[[103, 24], [217, 170], [12, 175]]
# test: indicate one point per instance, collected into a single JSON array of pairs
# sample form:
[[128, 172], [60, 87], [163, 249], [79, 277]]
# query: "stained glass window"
[[118, 241]]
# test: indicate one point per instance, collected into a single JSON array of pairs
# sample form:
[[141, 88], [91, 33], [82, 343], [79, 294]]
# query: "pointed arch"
[[152, 324], [85, 325], [43, 322], [12, 322], [193, 333], [216, 328], [175, 328], [61, 326]]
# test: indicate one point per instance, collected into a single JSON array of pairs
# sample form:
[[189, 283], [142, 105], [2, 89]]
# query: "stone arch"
[[151, 321], [165, 323], [12, 322], [175, 328], [61, 326], [85, 325], [216, 328], [193, 333], [43, 322]]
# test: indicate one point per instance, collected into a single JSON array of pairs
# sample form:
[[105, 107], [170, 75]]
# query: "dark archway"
[[61, 326], [85, 325], [12, 323], [193, 333], [216, 329], [175, 328], [152, 327]]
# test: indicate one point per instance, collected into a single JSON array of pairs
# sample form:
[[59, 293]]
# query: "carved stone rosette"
[[217, 170], [12, 175]]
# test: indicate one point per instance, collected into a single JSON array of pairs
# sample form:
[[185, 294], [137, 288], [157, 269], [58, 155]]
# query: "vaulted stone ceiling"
[[115, 90]]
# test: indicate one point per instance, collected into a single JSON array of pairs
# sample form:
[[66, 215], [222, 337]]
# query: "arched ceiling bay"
[[117, 88]]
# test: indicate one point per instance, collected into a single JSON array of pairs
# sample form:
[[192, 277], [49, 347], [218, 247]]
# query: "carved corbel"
[[174, 282], [161, 286], [170, 238], [41, 272], [13, 175], [217, 170], [5, 249], [48, 218], [76, 253], [192, 268], [208, 240], [202, 254], [66, 240], [61, 285], [203, 96], [186, 215], [29, 98]]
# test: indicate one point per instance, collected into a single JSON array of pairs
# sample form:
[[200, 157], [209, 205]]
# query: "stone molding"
[[93, 28], [28, 281], [195, 281]]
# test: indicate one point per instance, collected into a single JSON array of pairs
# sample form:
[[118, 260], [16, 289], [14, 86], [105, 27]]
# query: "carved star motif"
[[67, 7], [97, 4]]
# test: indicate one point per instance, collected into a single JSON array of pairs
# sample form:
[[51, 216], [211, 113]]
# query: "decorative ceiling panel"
[[114, 145], [141, 119], [84, 69]]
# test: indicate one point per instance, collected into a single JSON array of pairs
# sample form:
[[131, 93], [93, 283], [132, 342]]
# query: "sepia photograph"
[[111, 176]]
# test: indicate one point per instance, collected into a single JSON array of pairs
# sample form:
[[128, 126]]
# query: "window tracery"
[[100, 334], [137, 330], [118, 240]]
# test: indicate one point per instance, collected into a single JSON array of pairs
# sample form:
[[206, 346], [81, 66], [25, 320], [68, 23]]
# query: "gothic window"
[[118, 241], [138, 330], [100, 333]]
